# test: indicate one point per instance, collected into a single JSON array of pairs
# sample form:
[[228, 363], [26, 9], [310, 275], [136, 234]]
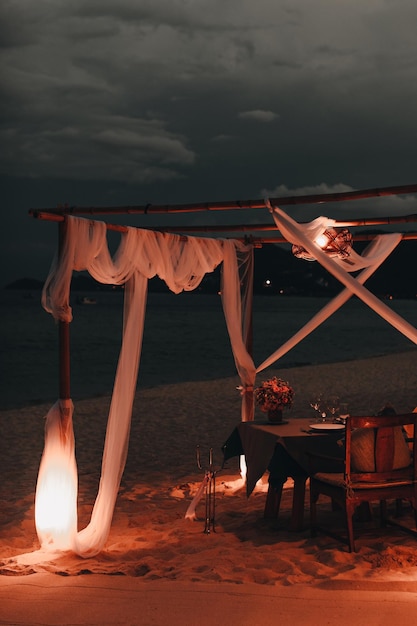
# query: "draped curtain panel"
[[304, 235], [182, 263]]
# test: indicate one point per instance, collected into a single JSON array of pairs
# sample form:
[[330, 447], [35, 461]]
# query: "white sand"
[[164, 567]]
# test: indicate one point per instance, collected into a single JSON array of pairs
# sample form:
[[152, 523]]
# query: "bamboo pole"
[[216, 228], [250, 228], [276, 239], [372, 221], [150, 209], [63, 337]]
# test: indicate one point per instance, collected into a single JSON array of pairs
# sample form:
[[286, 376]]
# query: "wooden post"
[[248, 299], [64, 338]]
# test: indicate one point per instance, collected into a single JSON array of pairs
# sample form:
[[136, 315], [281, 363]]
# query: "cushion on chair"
[[336, 479], [362, 450], [402, 455]]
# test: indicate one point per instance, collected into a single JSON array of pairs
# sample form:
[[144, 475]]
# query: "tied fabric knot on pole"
[[244, 389]]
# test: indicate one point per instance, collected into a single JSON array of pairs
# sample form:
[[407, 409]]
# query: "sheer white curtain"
[[237, 308], [182, 263], [300, 234], [376, 252]]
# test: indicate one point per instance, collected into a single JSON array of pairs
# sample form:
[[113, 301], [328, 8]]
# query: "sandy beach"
[[165, 566]]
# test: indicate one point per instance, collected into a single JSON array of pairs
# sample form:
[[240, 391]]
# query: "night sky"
[[116, 102]]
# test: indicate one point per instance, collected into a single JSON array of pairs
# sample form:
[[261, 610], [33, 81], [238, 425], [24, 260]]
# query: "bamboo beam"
[[150, 209], [216, 228], [276, 239], [64, 337], [372, 221], [249, 229]]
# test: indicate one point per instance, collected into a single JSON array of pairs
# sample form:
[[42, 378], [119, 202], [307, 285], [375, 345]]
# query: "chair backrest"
[[376, 448]]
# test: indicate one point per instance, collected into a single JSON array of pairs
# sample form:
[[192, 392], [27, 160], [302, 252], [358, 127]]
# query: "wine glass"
[[332, 404], [344, 409], [316, 403]]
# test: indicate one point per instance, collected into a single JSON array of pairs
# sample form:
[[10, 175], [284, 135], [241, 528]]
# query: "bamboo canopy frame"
[[58, 215], [61, 215]]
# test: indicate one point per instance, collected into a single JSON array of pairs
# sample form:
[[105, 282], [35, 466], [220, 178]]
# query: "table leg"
[[297, 516], [273, 501]]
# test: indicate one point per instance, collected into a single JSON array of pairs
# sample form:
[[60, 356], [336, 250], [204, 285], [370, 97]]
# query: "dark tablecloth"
[[280, 448]]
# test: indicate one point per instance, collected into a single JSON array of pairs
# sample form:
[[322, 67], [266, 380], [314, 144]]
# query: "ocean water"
[[185, 339]]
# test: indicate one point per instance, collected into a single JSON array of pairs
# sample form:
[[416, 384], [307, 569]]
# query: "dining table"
[[283, 449]]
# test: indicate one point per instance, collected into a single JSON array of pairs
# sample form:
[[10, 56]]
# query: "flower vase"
[[275, 416]]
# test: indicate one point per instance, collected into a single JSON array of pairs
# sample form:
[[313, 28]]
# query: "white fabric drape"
[[92, 538], [238, 320], [378, 250], [182, 263], [297, 233]]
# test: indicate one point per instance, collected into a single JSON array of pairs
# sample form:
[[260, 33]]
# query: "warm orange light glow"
[[322, 240], [55, 510], [56, 490], [335, 243], [243, 467]]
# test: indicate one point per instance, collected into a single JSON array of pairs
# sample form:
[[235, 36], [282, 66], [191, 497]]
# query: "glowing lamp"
[[57, 486], [335, 243], [55, 510]]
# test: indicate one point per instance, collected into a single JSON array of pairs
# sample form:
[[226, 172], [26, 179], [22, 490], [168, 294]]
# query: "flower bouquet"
[[273, 396]]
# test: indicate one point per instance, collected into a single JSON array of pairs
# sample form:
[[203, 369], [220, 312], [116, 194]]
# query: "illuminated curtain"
[[182, 263]]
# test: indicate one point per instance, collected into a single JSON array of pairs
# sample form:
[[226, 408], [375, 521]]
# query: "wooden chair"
[[379, 465]]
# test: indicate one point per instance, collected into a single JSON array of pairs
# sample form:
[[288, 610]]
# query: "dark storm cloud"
[[77, 72], [134, 101], [258, 115]]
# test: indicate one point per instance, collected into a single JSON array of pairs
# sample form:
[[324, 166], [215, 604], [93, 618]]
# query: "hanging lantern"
[[335, 243]]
